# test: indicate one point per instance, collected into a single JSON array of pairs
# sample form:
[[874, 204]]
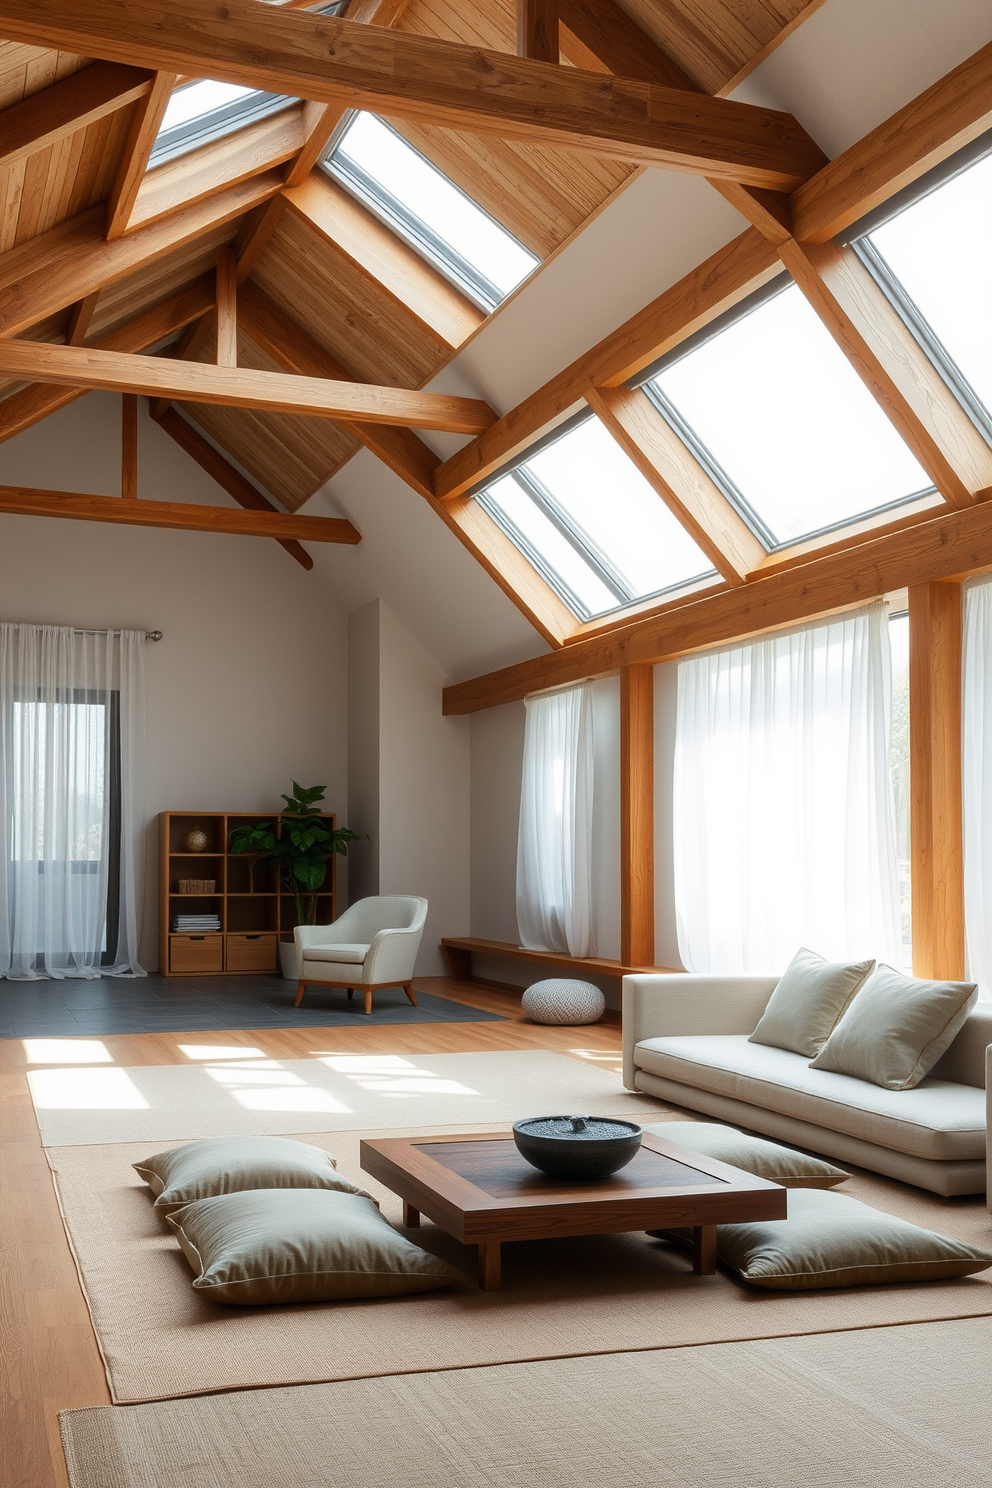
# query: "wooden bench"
[[459, 948]]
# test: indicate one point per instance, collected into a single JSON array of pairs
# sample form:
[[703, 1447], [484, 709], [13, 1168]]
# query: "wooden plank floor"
[[50, 1359]]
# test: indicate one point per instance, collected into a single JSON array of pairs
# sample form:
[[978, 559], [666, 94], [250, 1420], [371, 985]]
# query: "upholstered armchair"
[[374, 944]]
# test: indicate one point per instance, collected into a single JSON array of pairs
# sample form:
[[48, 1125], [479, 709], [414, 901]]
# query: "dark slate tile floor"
[[157, 1004]]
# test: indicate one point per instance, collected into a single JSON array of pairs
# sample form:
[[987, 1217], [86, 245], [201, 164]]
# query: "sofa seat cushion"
[[937, 1119], [350, 953]]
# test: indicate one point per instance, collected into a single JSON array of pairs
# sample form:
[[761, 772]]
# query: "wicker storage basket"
[[197, 885]]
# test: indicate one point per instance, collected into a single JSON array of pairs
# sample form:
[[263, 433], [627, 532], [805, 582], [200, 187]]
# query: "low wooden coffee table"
[[479, 1189]]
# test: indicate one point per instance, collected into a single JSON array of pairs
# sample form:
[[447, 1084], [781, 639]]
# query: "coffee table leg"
[[704, 1249], [411, 1216], [489, 1267]]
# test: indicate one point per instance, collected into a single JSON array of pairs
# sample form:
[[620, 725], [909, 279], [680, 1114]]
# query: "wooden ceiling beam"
[[65, 107], [224, 473], [241, 387], [256, 230], [134, 161], [601, 34], [173, 514], [439, 82], [227, 308], [726, 277], [79, 319], [32, 404], [948, 116], [537, 30], [70, 261], [949, 546]]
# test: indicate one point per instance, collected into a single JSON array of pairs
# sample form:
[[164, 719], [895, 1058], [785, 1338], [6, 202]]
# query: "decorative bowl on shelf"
[[580, 1148]]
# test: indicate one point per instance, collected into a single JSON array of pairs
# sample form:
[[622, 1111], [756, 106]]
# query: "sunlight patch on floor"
[[66, 1051], [85, 1090], [220, 1051], [302, 1098]]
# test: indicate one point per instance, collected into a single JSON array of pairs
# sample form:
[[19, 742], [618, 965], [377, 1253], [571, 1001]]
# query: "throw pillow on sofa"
[[223, 1165], [896, 1029], [751, 1154], [300, 1245], [808, 1002]]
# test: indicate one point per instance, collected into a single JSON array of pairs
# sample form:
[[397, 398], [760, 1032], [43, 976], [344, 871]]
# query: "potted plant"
[[301, 855]]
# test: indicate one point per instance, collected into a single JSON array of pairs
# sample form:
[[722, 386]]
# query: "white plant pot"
[[289, 960]]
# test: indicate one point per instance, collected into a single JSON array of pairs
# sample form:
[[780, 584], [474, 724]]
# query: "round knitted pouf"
[[560, 1000]]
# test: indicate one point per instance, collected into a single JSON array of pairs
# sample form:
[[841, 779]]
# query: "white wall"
[[244, 693], [412, 778]]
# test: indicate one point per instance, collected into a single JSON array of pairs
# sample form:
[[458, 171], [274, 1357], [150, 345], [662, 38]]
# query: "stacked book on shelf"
[[196, 924]]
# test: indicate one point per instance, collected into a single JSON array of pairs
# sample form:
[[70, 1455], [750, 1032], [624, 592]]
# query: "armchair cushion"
[[351, 952]]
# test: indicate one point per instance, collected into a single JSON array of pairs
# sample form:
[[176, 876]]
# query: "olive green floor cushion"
[[223, 1165], [751, 1154]]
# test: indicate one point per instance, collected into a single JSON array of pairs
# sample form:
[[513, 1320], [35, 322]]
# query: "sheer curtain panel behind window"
[[784, 817], [71, 747], [554, 844], [976, 781]]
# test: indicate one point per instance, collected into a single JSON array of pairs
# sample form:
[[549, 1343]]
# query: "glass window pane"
[[779, 408], [417, 191], [197, 99], [523, 517], [201, 112], [938, 249], [610, 502]]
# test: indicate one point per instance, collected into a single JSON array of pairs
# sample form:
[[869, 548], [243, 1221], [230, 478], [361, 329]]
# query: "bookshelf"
[[254, 909]]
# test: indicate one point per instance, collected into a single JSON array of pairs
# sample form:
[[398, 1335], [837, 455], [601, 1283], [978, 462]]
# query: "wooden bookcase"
[[255, 910]]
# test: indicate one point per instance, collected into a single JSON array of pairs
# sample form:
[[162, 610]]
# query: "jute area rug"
[[334, 1092], [881, 1408], [561, 1298]]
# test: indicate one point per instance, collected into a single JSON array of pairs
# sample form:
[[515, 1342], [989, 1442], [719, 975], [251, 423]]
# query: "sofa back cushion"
[[964, 1061], [896, 1029], [808, 1002]]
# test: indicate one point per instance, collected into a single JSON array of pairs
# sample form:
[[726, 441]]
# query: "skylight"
[[418, 201], [774, 410], [933, 260], [203, 111], [583, 514]]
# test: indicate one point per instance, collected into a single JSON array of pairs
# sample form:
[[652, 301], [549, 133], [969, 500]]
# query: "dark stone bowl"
[[577, 1148]]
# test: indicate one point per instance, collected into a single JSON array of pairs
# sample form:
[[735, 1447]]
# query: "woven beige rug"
[[600, 1294], [333, 1092], [882, 1408]]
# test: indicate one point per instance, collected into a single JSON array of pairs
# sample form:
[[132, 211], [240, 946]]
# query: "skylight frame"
[[393, 214], [216, 123]]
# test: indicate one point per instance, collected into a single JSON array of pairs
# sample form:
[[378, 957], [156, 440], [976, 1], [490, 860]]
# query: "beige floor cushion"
[[896, 1029], [300, 1245], [830, 1240], [809, 1002], [938, 1120], [751, 1154], [222, 1165]]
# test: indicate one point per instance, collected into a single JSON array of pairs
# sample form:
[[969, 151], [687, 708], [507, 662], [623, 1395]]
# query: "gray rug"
[[883, 1408]]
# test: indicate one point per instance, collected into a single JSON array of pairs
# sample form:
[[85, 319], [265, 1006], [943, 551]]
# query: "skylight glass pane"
[[199, 98], [776, 405], [200, 112], [426, 207], [523, 519], [939, 249]]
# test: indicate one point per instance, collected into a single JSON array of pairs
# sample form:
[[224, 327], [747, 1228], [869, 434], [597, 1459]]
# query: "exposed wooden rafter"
[[440, 82], [134, 161], [67, 106], [537, 30]]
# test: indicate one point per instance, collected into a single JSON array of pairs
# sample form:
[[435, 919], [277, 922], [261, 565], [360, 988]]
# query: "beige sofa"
[[685, 1041]]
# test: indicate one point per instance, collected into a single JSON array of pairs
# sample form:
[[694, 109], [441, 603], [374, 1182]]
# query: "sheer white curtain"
[[71, 747], [784, 818], [976, 781], [554, 844]]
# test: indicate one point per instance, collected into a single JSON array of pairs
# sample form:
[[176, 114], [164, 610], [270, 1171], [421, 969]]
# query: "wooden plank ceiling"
[[365, 299]]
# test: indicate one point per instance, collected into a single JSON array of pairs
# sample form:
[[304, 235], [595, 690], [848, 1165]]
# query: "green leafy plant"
[[301, 853]]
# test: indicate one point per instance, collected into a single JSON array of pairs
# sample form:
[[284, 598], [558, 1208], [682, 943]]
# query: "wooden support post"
[[935, 779], [637, 815], [537, 30], [129, 446], [227, 308]]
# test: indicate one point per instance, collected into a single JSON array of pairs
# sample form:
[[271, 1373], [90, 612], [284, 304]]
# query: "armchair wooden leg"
[[368, 999], [299, 995], [408, 989]]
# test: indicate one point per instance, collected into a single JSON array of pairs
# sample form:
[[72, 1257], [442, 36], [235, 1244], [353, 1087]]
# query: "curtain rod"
[[150, 635]]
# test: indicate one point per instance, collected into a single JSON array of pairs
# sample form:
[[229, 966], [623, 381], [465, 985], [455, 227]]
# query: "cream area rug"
[[334, 1092], [560, 1298], [881, 1408]]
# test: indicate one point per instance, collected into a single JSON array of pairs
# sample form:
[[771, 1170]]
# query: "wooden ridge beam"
[[174, 514], [32, 404], [224, 473], [240, 387], [68, 106], [945, 118], [949, 546], [439, 82], [70, 261]]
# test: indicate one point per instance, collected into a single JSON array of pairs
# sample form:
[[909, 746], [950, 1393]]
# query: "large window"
[[932, 259], [203, 111], [415, 199], [773, 409], [583, 514]]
